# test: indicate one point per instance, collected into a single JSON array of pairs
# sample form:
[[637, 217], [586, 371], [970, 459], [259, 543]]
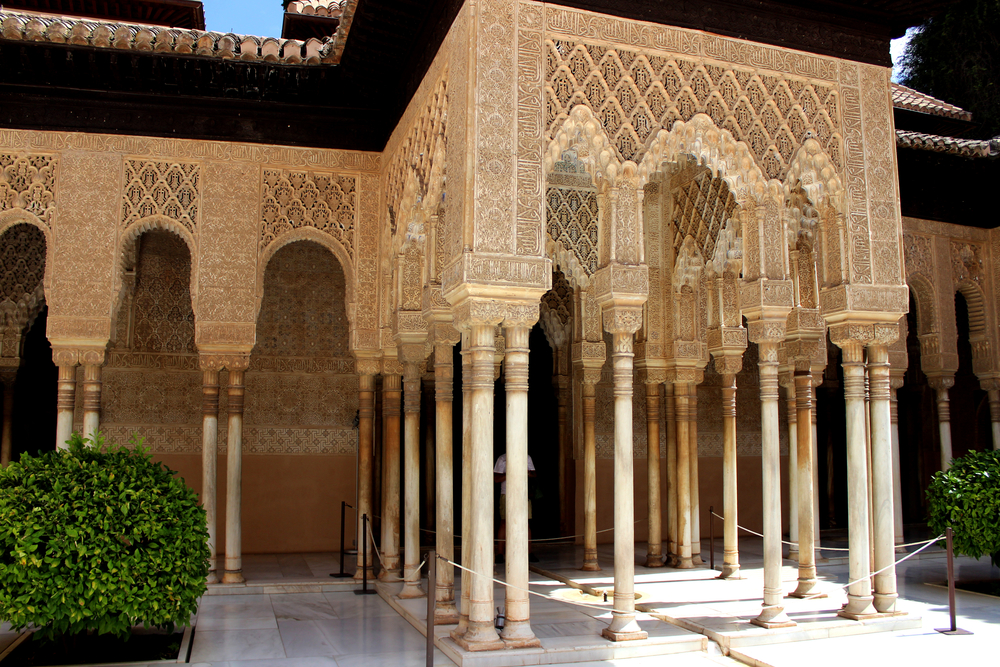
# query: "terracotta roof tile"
[[331, 8], [952, 145], [914, 100]]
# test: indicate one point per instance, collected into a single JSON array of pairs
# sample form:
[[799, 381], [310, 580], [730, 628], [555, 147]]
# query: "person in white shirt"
[[500, 477]]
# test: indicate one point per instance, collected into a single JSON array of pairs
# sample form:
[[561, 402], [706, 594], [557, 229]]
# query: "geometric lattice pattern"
[[702, 206], [294, 199], [28, 182], [634, 95], [162, 312], [169, 189], [571, 219]]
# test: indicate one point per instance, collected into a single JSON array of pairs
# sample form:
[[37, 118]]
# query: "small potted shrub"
[[96, 540]]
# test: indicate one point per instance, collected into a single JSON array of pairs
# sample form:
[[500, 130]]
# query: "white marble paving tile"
[[302, 607], [304, 639], [405, 659], [229, 645], [367, 635], [286, 662], [348, 605]]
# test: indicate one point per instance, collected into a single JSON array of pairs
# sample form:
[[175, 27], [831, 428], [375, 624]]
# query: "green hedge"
[[98, 538], [967, 498]]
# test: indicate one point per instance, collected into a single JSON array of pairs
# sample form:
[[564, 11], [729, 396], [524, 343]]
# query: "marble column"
[[466, 527], [391, 399], [817, 380], [480, 635], [445, 611], [804, 485], [994, 398], [895, 382], [590, 380], [411, 490], [683, 474], [91, 400], [730, 539], [654, 546], [6, 432], [941, 384], [885, 581], [694, 481], [366, 464], [623, 324], [517, 631], [234, 479], [671, 425], [859, 595], [209, 460], [793, 456], [65, 404], [773, 613], [561, 385]]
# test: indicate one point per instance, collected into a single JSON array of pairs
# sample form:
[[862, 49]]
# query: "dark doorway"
[[34, 426]]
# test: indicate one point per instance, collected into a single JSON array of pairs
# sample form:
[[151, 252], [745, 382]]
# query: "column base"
[[654, 560], [684, 563], [463, 626], [518, 634], [359, 573], [793, 554], [390, 575], [730, 572], [773, 617], [445, 613], [886, 603], [858, 608], [213, 577], [233, 577], [696, 560], [411, 590], [806, 589], [480, 636], [591, 566]]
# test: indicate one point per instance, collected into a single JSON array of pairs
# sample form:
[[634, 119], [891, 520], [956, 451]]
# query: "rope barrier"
[[546, 539]]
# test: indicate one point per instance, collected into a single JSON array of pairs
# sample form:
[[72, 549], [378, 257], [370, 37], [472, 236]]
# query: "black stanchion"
[[431, 584], [711, 536], [954, 629], [364, 559], [343, 514]]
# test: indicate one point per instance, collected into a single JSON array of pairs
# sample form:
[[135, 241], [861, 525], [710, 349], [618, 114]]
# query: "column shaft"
[[623, 625], [897, 486], [654, 547], [671, 474], [65, 404], [411, 461], [859, 595], [445, 612], [773, 613], [804, 482], [209, 462], [366, 463], [6, 433], [234, 481], [944, 424], [994, 397], [91, 400], [694, 481], [731, 550], [793, 458], [881, 472], [683, 467], [590, 563], [517, 631], [391, 399], [467, 528]]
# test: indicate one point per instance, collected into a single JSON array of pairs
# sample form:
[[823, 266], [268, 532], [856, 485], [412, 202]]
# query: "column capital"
[[728, 363], [863, 333], [367, 365], [591, 376], [766, 331], [621, 284], [653, 375], [989, 383], [90, 355], [621, 319], [231, 360], [589, 353], [474, 311], [941, 382]]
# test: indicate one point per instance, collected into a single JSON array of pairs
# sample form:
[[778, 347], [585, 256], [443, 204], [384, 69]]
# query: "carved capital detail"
[[232, 361], [622, 319]]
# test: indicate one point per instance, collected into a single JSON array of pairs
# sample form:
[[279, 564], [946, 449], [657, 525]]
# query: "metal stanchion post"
[[954, 629], [711, 536], [431, 583], [364, 556], [343, 518]]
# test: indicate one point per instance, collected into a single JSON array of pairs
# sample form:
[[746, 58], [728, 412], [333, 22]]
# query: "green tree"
[[955, 57], [967, 498]]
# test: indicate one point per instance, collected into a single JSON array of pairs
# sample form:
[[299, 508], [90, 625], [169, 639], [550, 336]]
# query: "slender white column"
[[885, 581], [804, 481], [623, 625], [859, 595], [480, 634], [671, 475], [411, 460], [941, 385], [517, 631], [445, 612], [730, 540], [590, 564], [65, 404], [895, 382], [681, 397], [234, 481], [815, 456], [654, 546], [209, 461], [793, 457], [91, 400], [694, 485], [994, 396], [773, 614], [467, 527], [366, 463], [6, 433], [391, 399]]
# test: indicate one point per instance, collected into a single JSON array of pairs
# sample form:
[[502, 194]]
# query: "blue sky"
[[263, 18]]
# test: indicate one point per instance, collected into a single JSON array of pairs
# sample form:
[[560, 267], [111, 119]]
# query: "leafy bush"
[[967, 498], [96, 538]]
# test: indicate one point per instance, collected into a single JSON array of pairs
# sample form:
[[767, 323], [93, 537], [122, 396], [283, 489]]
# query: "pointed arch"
[[924, 298], [17, 216], [584, 132], [982, 358]]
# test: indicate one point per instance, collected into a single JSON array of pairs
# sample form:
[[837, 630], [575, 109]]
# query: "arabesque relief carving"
[[28, 181], [296, 199], [169, 189]]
